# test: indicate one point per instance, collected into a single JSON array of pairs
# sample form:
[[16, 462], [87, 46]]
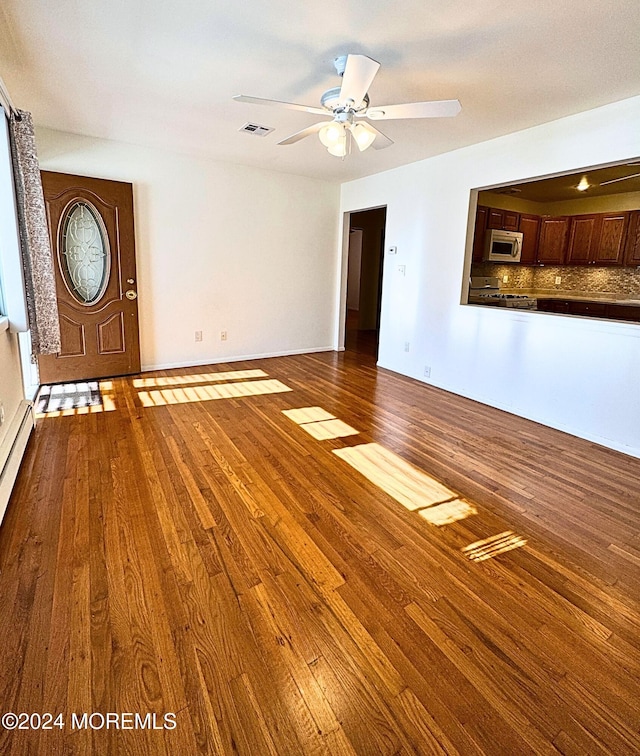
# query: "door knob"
[[131, 294]]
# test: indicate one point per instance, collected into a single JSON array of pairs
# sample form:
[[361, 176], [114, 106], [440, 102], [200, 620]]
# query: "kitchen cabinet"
[[584, 235], [529, 226], [479, 234], [503, 220], [624, 312], [591, 309], [553, 305], [632, 248], [610, 247], [597, 239], [600, 239], [554, 235]]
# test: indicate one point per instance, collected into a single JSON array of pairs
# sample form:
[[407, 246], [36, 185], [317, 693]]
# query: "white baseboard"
[[12, 449], [238, 358]]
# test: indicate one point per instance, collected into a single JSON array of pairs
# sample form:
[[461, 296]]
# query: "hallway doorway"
[[364, 281]]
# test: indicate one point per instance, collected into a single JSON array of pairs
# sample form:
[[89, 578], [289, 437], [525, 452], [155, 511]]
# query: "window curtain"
[[37, 260]]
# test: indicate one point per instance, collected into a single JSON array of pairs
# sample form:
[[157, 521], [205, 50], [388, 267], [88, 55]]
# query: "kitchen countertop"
[[606, 298]]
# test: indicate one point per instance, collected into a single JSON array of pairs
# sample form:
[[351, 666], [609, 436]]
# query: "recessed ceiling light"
[[583, 185]]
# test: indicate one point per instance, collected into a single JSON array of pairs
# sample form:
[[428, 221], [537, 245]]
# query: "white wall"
[[11, 390], [219, 247], [579, 375]]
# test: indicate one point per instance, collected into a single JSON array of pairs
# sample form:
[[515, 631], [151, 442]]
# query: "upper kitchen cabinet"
[[584, 234], [613, 232], [502, 220], [554, 235], [587, 218], [482, 214], [632, 247], [597, 239], [529, 226]]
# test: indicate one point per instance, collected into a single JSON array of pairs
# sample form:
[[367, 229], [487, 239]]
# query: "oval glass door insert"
[[85, 253]]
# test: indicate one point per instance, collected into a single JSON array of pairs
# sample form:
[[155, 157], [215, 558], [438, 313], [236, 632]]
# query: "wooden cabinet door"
[[503, 220], [632, 248], [623, 312], [590, 309], [554, 233], [495, 218], [610, 250], [479, 234], [553, 305], [583, 239], [510, 220], [529, 226]]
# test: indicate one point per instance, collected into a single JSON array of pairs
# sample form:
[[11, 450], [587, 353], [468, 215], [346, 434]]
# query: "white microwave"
[[503, 246]]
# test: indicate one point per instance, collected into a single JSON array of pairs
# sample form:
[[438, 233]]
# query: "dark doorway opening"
[[364, 280]]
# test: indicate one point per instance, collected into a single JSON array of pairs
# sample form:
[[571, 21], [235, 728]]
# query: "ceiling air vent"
[[255, 128]]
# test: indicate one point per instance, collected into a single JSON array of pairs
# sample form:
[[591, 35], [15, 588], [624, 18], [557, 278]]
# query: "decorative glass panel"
[[85, 253]]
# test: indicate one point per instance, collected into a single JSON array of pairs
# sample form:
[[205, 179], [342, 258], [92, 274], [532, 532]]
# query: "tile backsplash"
[[620, 282]]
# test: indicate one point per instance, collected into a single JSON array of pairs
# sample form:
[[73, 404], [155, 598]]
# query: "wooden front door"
[[92, 239]]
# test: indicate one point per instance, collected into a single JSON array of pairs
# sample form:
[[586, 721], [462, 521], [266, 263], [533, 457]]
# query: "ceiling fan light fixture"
[[339, 148], [331, 134], [363, 136]]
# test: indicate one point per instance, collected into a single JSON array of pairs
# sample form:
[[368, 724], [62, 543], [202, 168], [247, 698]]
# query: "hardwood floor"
[[192, 550]]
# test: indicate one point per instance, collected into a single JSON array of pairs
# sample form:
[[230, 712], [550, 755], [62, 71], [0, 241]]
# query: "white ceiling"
[[162, 73]]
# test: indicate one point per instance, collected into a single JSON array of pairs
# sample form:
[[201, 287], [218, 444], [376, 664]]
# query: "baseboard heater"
[[12, 449]]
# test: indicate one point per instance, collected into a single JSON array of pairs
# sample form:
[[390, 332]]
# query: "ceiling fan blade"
[[622, 178], [359, 72], [381, 141], [434, 109], [278, 103], [304, 133]]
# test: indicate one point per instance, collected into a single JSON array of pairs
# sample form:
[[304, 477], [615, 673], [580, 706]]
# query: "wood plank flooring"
[[198, 555]]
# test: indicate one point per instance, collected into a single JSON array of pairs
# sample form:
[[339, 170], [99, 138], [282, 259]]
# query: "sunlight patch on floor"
[[308, 415], [491, 547], [407, 484], [450, 511], [181, 380], [163, 397], [323, 430], [319, 423]]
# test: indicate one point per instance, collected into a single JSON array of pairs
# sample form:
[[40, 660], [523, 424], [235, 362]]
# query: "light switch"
[[392, 250]]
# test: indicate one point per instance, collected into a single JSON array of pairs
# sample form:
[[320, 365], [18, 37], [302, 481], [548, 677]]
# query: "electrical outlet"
[[505, 279], [406, 346], [402, 269], [198, 335], [223, 335], [558, 280], [427, 371]]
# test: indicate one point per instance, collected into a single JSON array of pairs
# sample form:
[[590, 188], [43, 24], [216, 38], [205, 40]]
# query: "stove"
[[486, 290]]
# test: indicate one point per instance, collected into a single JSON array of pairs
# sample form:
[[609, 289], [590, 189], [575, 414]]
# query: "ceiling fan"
[[622, 178], [350, 102]]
